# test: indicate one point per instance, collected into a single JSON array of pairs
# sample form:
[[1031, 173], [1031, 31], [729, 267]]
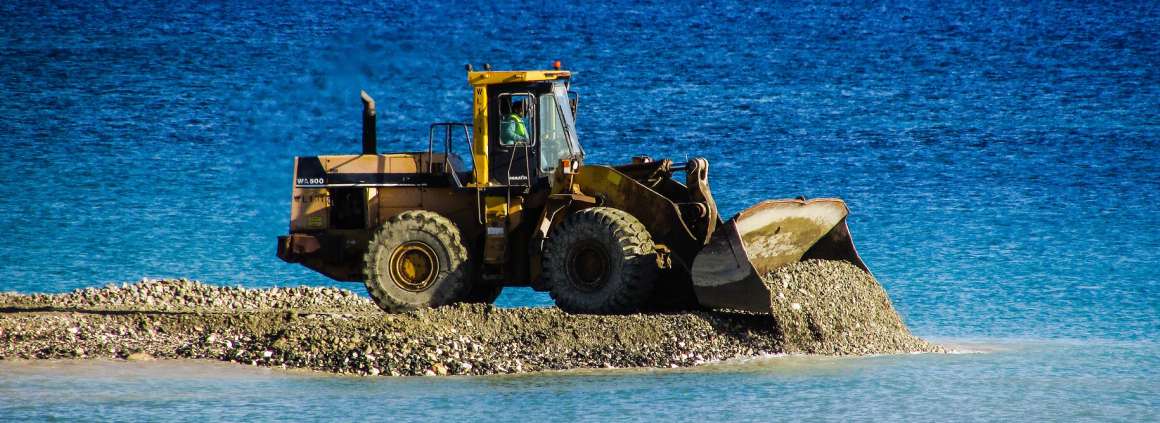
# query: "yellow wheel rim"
[[414, 266]]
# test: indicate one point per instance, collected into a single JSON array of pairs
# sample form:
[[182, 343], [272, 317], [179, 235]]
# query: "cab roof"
[[507, 77]]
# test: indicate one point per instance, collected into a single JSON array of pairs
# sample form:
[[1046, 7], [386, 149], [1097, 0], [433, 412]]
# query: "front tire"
[[600, 260], [417, 259]]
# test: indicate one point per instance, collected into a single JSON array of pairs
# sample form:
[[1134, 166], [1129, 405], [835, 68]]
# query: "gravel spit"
[[336, 330]]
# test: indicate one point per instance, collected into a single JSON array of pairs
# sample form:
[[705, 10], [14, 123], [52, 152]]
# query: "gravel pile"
[[182, 295], [465, 339], [833, 307], [335, 330]]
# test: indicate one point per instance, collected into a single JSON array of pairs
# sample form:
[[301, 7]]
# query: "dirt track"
[[335, 330]]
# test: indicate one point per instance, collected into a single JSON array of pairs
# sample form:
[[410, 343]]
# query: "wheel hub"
[[413, 266], [588, 266]]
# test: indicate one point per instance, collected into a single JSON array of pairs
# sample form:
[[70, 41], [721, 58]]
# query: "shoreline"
[[337, 331], [208, 368]]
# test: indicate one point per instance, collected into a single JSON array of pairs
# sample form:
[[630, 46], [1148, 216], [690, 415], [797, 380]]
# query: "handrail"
[[447, 139]]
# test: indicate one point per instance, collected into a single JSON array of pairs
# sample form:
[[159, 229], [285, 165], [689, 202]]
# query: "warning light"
[[556, 65]]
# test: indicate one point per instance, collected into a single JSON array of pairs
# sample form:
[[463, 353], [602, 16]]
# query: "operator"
[[513, 129]]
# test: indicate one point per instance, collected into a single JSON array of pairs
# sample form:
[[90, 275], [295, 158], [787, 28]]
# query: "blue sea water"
[[1000, 161]]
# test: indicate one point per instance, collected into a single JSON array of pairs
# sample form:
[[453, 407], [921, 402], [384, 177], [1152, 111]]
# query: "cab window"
[[552, 133], [515, 127]]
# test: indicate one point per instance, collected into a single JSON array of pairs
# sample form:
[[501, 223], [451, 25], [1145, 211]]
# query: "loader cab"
[[533, 132], [530, 127]]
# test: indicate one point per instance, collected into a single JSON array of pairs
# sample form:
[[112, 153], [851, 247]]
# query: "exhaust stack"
[[369, 136]]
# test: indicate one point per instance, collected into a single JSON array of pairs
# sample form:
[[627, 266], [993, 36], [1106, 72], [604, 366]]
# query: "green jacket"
[[513, 130]]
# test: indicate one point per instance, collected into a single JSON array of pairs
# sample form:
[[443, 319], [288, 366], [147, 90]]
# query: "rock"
[[140, 356]]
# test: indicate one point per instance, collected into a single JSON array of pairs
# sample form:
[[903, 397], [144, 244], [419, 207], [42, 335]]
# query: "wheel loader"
[[508, 199]]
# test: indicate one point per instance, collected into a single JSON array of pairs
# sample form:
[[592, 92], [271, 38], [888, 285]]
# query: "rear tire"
[[417, 259], [600, 260]]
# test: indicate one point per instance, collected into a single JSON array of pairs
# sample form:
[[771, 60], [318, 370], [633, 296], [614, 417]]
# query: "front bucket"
[[774, 233]]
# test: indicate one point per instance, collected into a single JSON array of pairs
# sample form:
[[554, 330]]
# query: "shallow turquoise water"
[[1000, 162], [1041, 381]]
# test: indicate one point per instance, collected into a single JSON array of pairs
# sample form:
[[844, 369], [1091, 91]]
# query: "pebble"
[[140, 356]]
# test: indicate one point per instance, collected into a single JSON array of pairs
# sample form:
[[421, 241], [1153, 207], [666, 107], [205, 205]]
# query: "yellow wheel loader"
[[518, 206]]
